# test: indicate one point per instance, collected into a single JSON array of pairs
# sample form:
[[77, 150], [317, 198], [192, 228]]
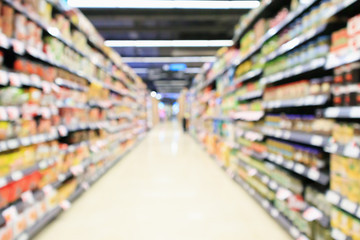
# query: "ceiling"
[[164, 24]]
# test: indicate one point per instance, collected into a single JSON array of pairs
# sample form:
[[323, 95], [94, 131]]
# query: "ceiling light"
[[169, 43], [165, 4], [201, 59], [193, 70], [141, 70]]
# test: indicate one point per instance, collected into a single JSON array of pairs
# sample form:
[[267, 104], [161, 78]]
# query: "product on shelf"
[[301, 123], [308, 156]]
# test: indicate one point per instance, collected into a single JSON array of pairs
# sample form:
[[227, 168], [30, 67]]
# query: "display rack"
[[64, 94], [292, 84]]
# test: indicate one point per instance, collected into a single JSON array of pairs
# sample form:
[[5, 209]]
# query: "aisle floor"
[[167, 188]]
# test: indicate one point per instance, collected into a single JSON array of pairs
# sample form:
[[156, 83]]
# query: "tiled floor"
[[166, 189]]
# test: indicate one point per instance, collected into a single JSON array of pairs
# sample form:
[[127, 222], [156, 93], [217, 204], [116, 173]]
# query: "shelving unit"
[[69, 110], [282, 86]]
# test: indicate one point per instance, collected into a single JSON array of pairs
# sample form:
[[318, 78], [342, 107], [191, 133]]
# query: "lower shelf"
[[52, 214]]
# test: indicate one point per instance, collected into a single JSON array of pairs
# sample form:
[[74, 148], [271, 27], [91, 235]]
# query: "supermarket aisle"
[[167, 188]]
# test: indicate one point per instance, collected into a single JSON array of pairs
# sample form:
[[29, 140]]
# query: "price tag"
[[13, 113], [48, 189], [43, 164], [19, 47], [42, 138], [10, 214], [3, 114], [12, 143], [28, 197], [355, 112], [4, 78], [252, 191], [299, 168], [279, 159], [309, 100], [358, 212], [273, 185], [333, 197], [278, 133], [314, 174], [272, 157], [338, 235], [14, 80], [3, 146], [332, 147], [252, 172], [46, 86], [265, 204], [17, 175], [316, 140], [23, 236], [283, 194], [286, 134], [289, 164], [85, 185], [65, 205], [25, 141], [274, 212], [312, 214], [348, 205], [24, 79], [63, 131], [265, 179], [61, 177], [35, 139], [294, 232], [77, 170], [3, 182], [352, 151], [4, 41]]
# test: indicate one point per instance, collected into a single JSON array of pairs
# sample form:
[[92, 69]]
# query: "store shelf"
[[251, 95], [82, 187], [17, 175], [296, 42], [301, 69], [273, 212], [248, 76], [69, 84], [343, 203], [275, 30], [351, 150], [342, 112], [309, 173], [15, 143], [248, 115], [300, 137], [256, 14], [334, 61], [213, 79], [317, 100], [337, 234], [251, 135]]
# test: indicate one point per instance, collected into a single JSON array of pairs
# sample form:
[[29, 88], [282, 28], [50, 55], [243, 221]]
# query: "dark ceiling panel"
[[164, 24]]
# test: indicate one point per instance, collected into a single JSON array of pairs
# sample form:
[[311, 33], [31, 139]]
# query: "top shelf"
[[273, 31]]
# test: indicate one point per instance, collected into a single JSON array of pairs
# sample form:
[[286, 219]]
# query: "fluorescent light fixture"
[[171, 83], [169, 43], [153, 94], [165, 4], [193, 70], [141, 70], [168, 59]]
